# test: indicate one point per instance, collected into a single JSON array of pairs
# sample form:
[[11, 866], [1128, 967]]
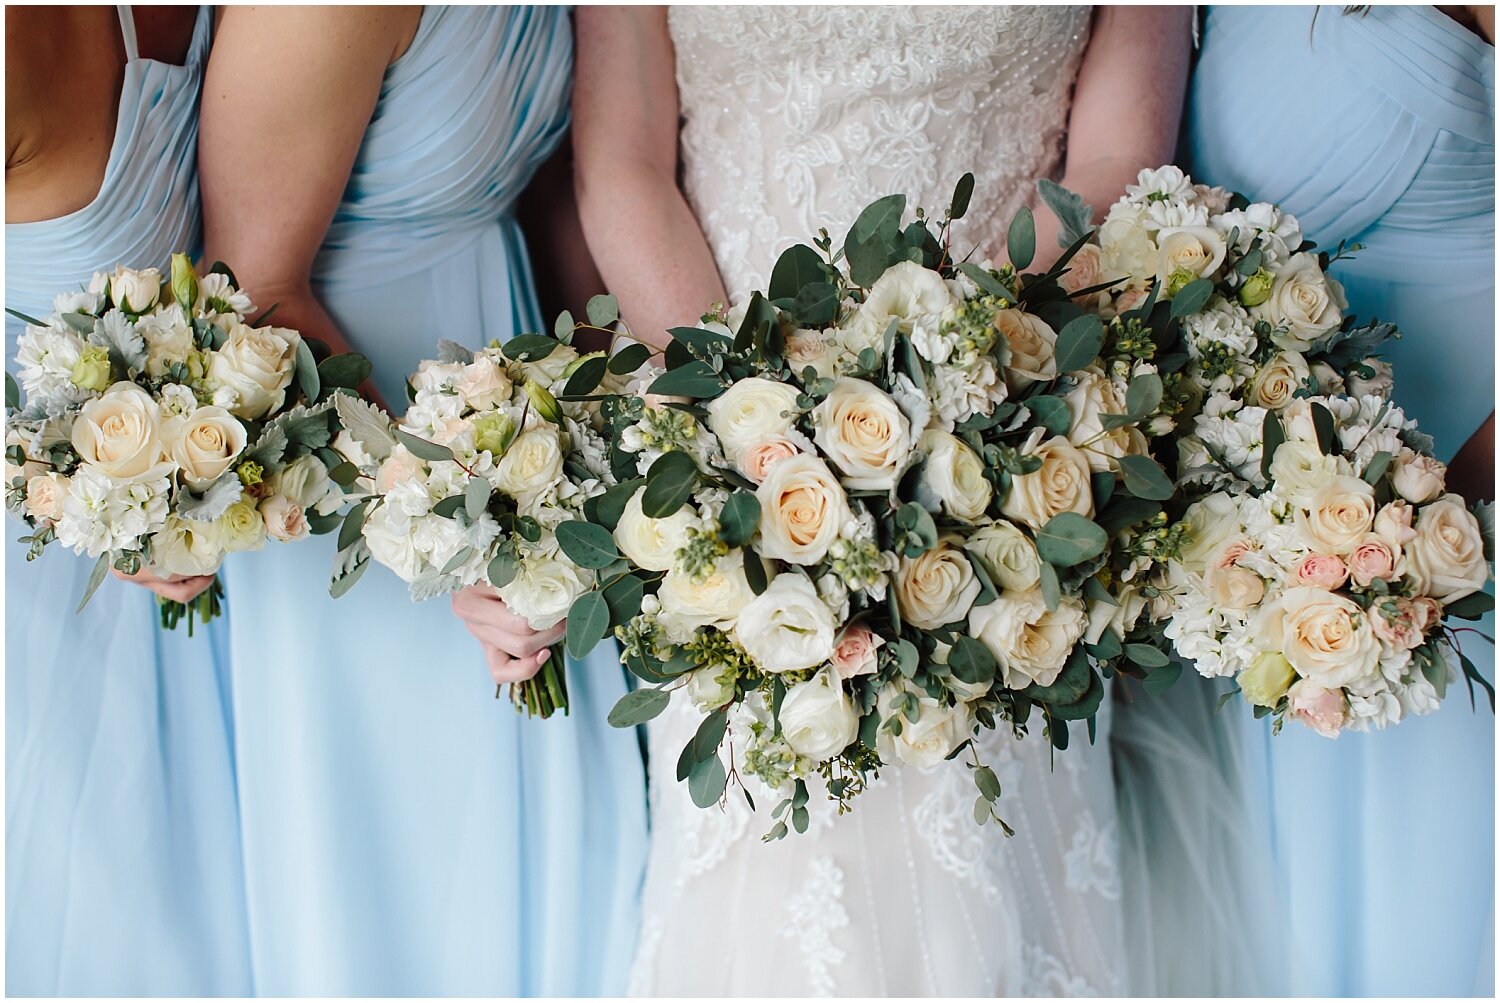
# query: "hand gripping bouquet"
[[484, 481], [161, 430], [871, 513], [1318, 554]]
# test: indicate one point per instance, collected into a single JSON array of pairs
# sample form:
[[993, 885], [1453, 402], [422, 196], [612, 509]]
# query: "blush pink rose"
[[1130, 299], [1324, 711], [1230, 555], [1324, 571], [756, 460], [855, 653], [1372, 559], [1403, 629]]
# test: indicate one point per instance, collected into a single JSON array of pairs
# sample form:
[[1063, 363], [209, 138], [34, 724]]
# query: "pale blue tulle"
[[122, 842], [406, 833], [1377, 128]]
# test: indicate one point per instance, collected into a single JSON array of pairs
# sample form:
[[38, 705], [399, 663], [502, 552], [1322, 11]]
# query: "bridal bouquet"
[[894, 502], [1320, 554], [484, 482], [162, 431]]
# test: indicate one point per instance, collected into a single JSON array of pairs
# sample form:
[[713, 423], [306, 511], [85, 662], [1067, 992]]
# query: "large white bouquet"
[[161, 430]]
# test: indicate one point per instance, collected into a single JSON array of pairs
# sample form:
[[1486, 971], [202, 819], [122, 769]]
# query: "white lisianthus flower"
[[257, 365], [544, 588], [120, 433], [102, 514], [954, 475], [817, 717], [751, 411], [652, 543], [1030, 644], [864, 433], [787, 627], [802, 508], [905, 292], [387, 532], [45, 357], [937, 587], [204, 444]]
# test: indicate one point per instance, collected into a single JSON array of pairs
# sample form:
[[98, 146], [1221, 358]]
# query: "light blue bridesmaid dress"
[[1378, 128], [122, 858], [405, 832]]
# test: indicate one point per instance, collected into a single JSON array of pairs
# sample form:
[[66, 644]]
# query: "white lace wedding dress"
[[796, 118]]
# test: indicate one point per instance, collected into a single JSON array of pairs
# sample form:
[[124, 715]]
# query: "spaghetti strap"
[[127, 32]]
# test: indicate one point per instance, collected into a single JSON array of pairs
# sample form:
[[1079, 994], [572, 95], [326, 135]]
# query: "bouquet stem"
[[545, 693], [208, 604]]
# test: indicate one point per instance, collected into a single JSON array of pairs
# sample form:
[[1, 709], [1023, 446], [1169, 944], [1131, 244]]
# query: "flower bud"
[[544, 402], [91, 371], [493, 432], [184, 281], [1257, 288]]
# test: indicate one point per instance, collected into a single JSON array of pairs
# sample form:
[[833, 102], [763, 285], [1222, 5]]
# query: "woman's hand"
[[513, 650], [179, 588]]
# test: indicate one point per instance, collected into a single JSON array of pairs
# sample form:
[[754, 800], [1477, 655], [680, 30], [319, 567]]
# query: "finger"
[[516, 645], [504, 669]]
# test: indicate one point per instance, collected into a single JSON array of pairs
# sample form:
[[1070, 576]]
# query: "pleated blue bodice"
[[123, 868]]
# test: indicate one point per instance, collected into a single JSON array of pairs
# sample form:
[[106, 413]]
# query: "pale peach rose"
[[1323, 571], [1083, 270], [1417, 478], [1324, 711], [1033, 348], [285, 520], [1373, 558], [398, 468], [44, 497], [855, 653], [1235, 588], [1393, 524], [1231, 552], [1402, 624], [756, 460]]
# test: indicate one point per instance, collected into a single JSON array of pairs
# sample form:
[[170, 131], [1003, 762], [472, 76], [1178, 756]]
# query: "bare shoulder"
[[341, 31]]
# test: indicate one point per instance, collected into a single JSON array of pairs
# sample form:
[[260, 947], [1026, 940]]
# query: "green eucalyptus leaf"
[[502, 569], [1069, 538], [603, 310], [1143, 395], [1144, 478], [798, 266], [307, 371], [587, 545], [962, 193], [1020, 239], [739, 518], [1272, 436], [972, 662], [1191, 298], [629, 359], [694, 378], [421, 448], [1079, 342], [638, 707], [1325, 428], [669, 484], [347, 370], [1052, 413], [706, 782], [476, 497], [588, 623], [529, 347], [585, 379]]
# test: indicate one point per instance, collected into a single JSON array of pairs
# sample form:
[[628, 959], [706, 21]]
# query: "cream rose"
[[954, 475], [652, 543], [1327, 638], [284, 518], [1196, 251], [241, 527], [1118, 617], [532, 463], [1209, 523], [856, 653], [1007, 554], [257, 364], [714, 600], [1304, 302], [1417, 478], [787, 627], [120, 433], [1093, 397], [44, 497], [1033, 348], [751, 411], [756, 460], [863, 433], [1061, 484], [928, 740], [204, 444], [1234, 587], [817, 718], [936, 588], [1445, 560], [1276, 383], [1338, 515], [802, 510], [186, 547], [135, 291], [1300, 468], [1030, 644]]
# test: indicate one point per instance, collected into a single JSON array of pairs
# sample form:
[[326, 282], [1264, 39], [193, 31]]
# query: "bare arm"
[[1472, 472], [1127, 106], [566, 275], [286, 99], [642, 234]]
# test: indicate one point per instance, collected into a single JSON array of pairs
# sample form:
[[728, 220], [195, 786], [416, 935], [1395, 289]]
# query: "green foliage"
[[669, 484], [588, 623], [1079, 342], [1020, 239], [587, 545], [638, 707], [1069, 538], [739, 518]]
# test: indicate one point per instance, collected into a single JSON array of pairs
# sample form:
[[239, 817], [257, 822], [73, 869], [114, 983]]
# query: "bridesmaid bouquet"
[[1318, 555], [894, 502], [161, 430], [484, 481]]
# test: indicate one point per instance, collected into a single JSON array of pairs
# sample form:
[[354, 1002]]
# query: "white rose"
[[204, 444], [483, 384], [1276, 383], [652, 543], [817, 717], [44, 497], [710, 688], [954, 474], [186, 547], [751, 411], [1445, 560], [388, 534], [714, 600], [1304, 301], [928, 740], [135, 291], [305, 481], [544, 589], [1417, 478], [1326, 637], [1094, 397], [284, 518], [1338, 515], [802, 509], [1196, 250], [1033, 348], [1209, 523], [1299, 468], [937, 587], [1007, 554], [863, 433], [787, 627], [531, 464], [1030, 644], [120, 433], [257, 364], [1061, 484]]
